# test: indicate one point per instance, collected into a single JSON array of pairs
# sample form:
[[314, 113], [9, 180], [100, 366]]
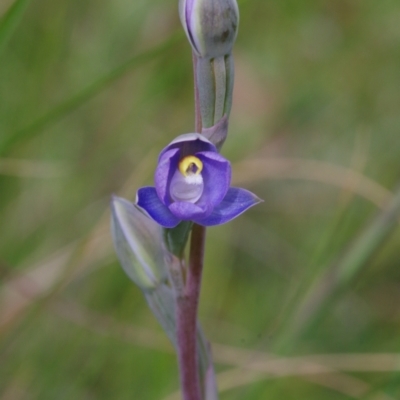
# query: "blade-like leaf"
[[84, 95], [10, 20], [341, 273]]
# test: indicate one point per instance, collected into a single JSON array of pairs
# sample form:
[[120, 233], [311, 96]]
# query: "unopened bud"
[[210, 25], [138, 243]]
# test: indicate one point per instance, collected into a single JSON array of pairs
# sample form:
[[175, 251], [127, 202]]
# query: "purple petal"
[[189, 144], [235, 203], [148, 200], [190, 211], [167, 165], [216, 176]]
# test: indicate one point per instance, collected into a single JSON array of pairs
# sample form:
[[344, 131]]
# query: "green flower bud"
[[139, 244], [210, 25]]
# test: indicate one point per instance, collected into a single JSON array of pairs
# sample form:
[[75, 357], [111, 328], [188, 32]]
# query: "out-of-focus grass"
[[92, 90]]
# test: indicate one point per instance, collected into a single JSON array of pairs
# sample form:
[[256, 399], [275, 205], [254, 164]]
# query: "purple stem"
[[187, 318], [188, 301]]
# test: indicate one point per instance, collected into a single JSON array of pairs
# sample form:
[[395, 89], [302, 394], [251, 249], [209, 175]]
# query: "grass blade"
[[10, 20], [84, 95], [342, 272]]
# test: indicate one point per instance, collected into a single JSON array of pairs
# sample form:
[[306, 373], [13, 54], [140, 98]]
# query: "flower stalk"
[[187, 306]]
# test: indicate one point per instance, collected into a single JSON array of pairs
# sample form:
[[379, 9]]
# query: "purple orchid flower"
[[192, 183]]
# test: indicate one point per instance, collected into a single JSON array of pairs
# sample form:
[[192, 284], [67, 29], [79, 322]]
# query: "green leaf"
[[84, 95], [337, 277], [10, 20]]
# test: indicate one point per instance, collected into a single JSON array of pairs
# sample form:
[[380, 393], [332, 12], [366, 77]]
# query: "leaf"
[[217, 133], [337, 277], [10, 20], [67, 106]]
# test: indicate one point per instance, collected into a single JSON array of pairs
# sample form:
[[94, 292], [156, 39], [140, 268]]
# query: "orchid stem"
[[187, 318], [188, 301], [198, 121]]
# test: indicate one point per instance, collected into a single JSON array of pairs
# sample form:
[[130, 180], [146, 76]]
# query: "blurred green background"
[[301, 295]]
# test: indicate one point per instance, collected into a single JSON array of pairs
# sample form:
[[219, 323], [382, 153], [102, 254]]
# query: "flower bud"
[[210, 25], [138, 243]]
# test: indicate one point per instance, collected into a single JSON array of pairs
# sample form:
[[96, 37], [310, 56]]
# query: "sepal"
[[236, 202]]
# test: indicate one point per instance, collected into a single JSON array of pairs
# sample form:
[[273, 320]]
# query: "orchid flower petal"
[[216, 176], [236, 202], [148, 200], [165, 170], [189, 211]]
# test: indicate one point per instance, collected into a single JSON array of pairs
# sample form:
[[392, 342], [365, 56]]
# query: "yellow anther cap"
[[190, 165]]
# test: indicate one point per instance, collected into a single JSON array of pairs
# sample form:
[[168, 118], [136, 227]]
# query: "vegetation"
[[301, 295]]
